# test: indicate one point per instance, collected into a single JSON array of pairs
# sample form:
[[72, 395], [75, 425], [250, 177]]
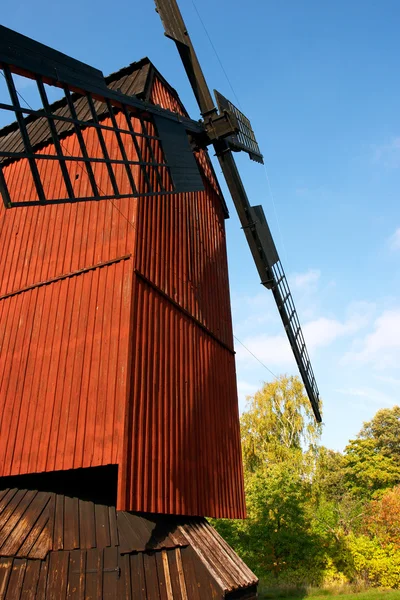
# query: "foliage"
[[384, 430], [367, 470], [378, 565], [316, 516], [372, 461], [277, 502], [383, 518], [278, 425], [328, 480]]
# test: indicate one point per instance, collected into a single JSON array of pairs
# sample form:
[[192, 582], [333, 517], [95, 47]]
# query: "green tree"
[[368, 471], [278, 425], [384, 431], [328, 480], [279, 440], [278, 528]]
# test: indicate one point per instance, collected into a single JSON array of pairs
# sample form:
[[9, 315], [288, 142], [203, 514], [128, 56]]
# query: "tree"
[[367, 470], [278, 526], [384, 430], [383, 518], [279, 421], [328, 480], [279, 437]]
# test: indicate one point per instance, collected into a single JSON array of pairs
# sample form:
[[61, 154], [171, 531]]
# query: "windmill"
[[119, 421], [229, 130]]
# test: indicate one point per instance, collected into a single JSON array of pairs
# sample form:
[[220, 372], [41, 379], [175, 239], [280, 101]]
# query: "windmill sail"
[[252, 218], [244, 139]]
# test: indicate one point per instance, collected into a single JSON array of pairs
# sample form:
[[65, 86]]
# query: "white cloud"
[[274, 350], [381, 348], [394, 240], [389, 154], [324, 331], [388, 379], [368, 394], [303, 281], [271, 350]]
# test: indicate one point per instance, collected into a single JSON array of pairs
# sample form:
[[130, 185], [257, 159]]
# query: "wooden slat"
[[150, 573], [138, 582], [31, 580], [71, 523], [58, 535], [4, 493], [110, 573], [167, 575], [40, 530], [102, 525], [42, 545], [87, 526], [16, 580], [123, 534], [193, 586], [76, 575], [42, 584], [91, 574], [5, 572], [14, 512], [34, 514], [181, 573], [112, 516], [162, 586], [173, 571], [124, 583], [57, 575]]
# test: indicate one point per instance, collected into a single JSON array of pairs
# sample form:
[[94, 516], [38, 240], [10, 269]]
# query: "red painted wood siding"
[[64, 346], [130, 363]]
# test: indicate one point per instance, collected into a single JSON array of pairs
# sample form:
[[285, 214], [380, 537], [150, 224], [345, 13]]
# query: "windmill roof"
[[131, 80]]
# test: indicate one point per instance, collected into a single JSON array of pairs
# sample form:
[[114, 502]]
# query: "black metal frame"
[[28, 58]]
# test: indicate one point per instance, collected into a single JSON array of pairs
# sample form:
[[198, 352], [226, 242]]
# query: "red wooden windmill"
[[119, 427]]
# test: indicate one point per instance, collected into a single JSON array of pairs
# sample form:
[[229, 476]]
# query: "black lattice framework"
[[244, 139], [116, 151], [295, 334]]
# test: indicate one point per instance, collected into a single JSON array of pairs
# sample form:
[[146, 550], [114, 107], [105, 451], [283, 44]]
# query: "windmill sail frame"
[[244, 139], [257, 231], [88, 107]]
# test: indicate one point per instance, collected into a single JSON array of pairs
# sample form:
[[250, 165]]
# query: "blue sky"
[[319, 80]]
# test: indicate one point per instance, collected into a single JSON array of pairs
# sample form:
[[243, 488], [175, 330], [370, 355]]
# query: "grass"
[[290, 594]]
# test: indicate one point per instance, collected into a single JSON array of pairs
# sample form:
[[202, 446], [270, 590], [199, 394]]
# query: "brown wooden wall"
[[116, 341]]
